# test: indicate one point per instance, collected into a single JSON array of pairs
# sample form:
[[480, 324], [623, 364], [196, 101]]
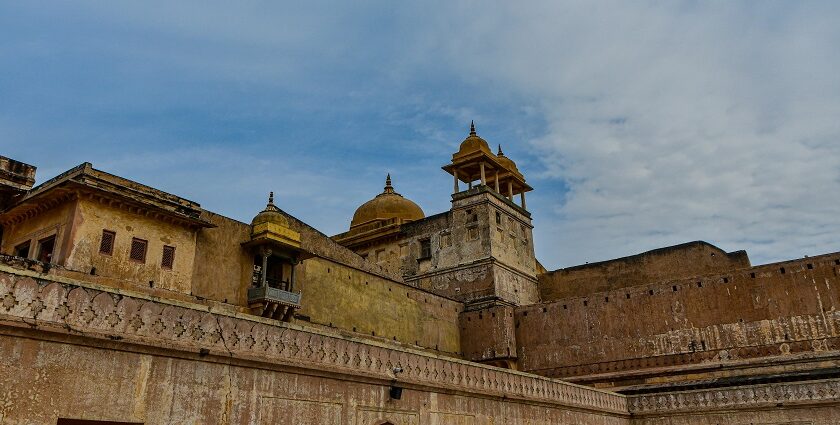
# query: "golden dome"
[[472, 144], [271, 214], [386, 205], [506, 162]]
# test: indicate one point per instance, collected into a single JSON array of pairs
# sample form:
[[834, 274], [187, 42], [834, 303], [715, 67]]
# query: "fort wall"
[[670, 263], [634, 335]]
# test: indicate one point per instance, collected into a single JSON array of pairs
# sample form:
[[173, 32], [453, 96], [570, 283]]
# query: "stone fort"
[[124, 304]]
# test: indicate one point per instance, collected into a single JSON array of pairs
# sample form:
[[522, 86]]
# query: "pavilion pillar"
[[510, 191], [264, 275], [292, 277], [522, 199], [497, 181], [483, 178], [455, 174]]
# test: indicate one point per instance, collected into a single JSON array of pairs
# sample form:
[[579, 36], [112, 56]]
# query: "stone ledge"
[[751, 397]]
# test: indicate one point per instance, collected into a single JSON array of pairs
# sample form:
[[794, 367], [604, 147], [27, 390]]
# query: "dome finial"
[[472, 128], [500, 153], [388, 187], [270, 206]]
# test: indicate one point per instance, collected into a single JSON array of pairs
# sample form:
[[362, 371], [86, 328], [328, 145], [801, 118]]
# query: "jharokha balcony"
[[273, 303]]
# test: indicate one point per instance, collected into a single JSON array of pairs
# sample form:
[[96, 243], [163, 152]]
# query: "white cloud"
[[666, 121], [673, 121]]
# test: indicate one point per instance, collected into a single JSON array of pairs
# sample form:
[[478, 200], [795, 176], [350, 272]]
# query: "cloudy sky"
[[639, 124]]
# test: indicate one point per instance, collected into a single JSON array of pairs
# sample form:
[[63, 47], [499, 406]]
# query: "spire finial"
[[472, 128], [500, 153], [270, 206], [388, 187]]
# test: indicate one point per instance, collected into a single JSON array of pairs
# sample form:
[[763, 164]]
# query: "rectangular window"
[[45, 249], [425, 248], [498, 217], [168, 258], [138, 250], [22, 250], [106, 245], [473, 233]]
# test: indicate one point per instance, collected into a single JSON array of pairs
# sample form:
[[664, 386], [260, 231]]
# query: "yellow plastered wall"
[[95, 217], [223, 268], [346, 298], [55, 221]]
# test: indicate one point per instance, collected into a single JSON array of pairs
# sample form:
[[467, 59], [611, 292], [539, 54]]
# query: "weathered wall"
[[780, 311], [339, 296], [223, 269], [97, 216], [54, 221], [114, 355], [670, 263], [814, 402], [488, 334], [473, 255], [338, 289]]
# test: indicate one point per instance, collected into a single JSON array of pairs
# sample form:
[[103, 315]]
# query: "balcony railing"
[[269, 294]]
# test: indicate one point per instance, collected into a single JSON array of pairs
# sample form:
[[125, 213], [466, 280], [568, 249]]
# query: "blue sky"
[[639, 124]]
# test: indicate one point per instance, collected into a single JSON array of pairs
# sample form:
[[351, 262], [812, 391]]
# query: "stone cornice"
[[752, 397]]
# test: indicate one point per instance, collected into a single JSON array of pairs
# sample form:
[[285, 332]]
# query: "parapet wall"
[[785, 311]]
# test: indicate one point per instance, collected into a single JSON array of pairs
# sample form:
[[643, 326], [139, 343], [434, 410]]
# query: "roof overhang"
[[85, 182]]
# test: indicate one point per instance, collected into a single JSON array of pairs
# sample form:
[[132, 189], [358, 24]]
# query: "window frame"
[[113, 242], [425, 248], [145, 250], [27, 243], [39, 252], [163, 257]]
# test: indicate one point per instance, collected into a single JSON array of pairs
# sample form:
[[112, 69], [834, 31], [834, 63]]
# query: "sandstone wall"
[[94, 217], [801, 403], [56, 221], [223, 269], [780, 311], [670, 263], [339, 296]]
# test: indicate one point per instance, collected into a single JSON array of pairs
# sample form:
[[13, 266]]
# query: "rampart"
[[754, 321], [669, 263]]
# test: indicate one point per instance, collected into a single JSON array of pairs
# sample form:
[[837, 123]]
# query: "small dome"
[[506, 162], [473, 143], [386, 205], [271, 214]]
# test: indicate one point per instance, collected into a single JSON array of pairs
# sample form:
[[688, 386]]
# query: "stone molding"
[[65, 306], [751, 397]]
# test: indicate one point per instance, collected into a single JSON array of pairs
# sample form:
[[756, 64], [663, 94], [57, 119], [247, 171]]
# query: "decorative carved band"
[[755, 396]]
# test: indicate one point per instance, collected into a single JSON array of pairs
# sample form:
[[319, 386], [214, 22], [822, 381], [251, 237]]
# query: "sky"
[[639, 124]]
